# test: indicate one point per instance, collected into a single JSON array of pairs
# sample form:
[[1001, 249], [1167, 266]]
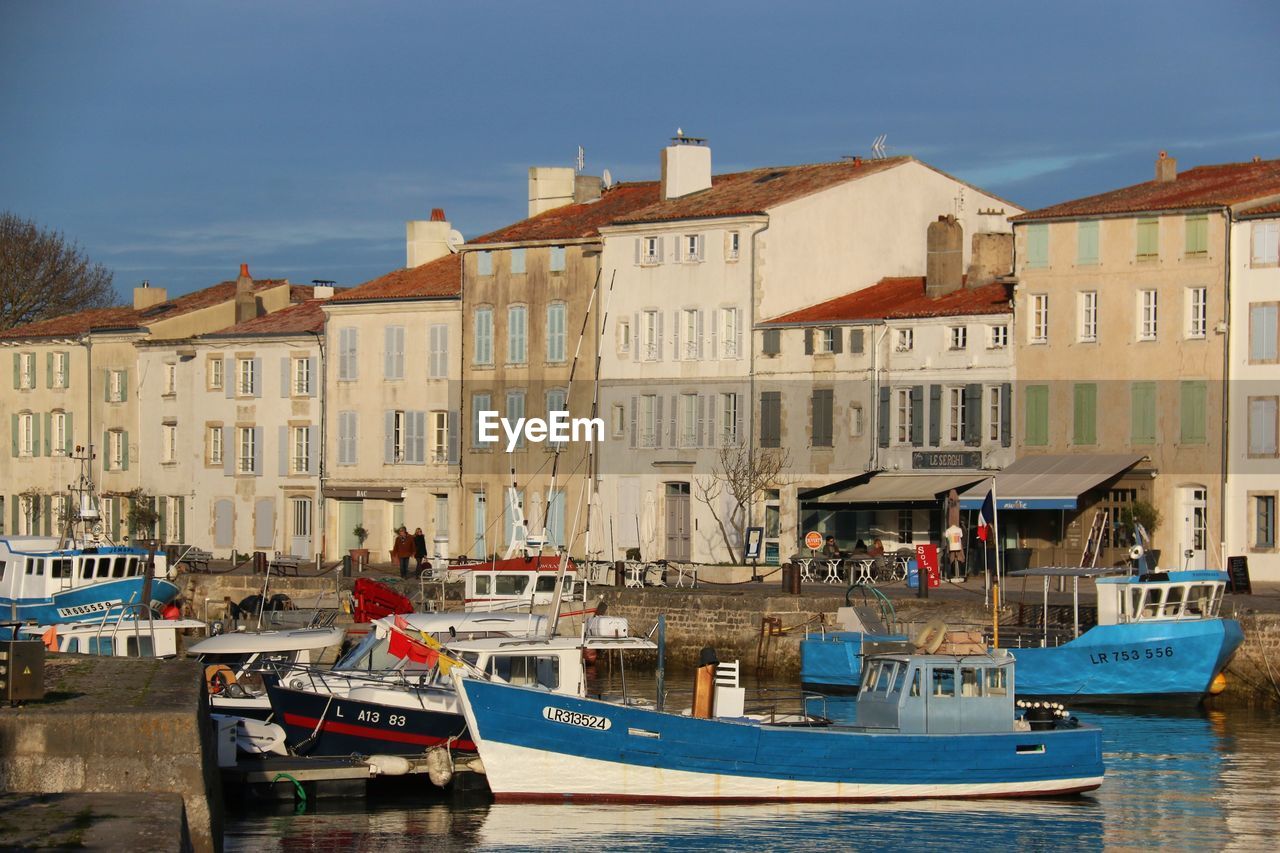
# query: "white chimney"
[[322, 291], [686, 166], [426, 240], [550, 187]]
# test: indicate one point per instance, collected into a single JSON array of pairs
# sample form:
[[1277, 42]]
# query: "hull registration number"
[[573, 718]]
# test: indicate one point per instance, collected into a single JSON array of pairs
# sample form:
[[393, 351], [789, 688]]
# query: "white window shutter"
[[715, 334], [389, 437], [737, 331], [698, 325], [284, 376]]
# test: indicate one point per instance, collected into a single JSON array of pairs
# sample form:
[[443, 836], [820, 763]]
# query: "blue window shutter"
[[124, 386], [935, 415], [257, 451], [229, 451], [285, 451], [48, 434], [162, 509], [257, 377], [882, 418], [284, 377], [973, 414]]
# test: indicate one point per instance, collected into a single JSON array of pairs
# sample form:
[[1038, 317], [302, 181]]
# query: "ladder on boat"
[[1093, 543]]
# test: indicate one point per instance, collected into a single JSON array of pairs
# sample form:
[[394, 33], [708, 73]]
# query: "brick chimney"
[[1166, 168], [426, 240], [686, 166], [944, 264], [144, 296], [246, 302]]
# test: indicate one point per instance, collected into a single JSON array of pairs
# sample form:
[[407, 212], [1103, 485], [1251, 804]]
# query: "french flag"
[[987, 516]]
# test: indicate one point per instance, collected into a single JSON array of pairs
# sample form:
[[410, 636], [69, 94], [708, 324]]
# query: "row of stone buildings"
[[888, 330]]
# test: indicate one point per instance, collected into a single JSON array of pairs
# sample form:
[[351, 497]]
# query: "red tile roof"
[[299, 318], [434, 279], [126, 317], [755, 191], [1204, 186], [900, 299], [1262, 210], [575, 221]]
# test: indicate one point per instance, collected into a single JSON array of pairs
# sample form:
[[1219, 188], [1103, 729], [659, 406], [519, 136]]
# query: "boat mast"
[[82, 521]]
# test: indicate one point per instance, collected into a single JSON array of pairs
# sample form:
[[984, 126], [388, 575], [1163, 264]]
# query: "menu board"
[[1238, 575]]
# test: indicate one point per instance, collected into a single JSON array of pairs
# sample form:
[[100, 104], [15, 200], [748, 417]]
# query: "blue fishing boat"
[[928, 726]]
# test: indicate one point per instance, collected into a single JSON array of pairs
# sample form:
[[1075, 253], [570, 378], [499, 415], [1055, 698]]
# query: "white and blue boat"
[[928, 726]]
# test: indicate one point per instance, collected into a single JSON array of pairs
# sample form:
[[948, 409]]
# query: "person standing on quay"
[[402, 550], [419, 547]]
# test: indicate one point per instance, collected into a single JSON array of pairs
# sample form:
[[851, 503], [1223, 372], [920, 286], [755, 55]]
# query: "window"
[[689, 417], [213, 445], [692, 247], [959, 337], [905, 519], [169, 443], [1037, 425], [771, 419], [438, 351], [1264, 521], [649, 250], [1148, 315], [903, 397], [517, 334], [556, 319], [24, 370], [1039, 331], [479, 527], [246, 377], [348, 429], [557, 259], [729, 420], [1038, 245], [117, 386], [691, 334], [58, 370], [822, 416], [479, 403], [826, 340], [517, 261], [26, 437], [348, 367], [856, 423], [59, 434], [247, 446], [734, 243], [1142, 414], [957, 416], [1262, 426], [440, 437], [300, 450], [557, 400], [995, 413], [730, 333], [515, 411], [301, 377], [619, 422], [213, 374], [906, 340], [1084, 414], [1088, 332], [1193, 411], [651, 335], [649, 425], [1087, 243], [395, 437], [483, 354], [1197, 236], [772, 341], [393, 353], [1266, 244], [117, 450], [1197, 312], [997, 336], [1264, 320], [484, 263], [1148, 239], [623, 337], [170, 380]]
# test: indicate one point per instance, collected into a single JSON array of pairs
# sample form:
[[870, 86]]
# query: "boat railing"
[[763, 704]]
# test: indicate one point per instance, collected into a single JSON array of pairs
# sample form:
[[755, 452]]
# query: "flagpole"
[[995, 524]]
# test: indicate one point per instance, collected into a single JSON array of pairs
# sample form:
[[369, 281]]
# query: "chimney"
[[426, 240], [550, 187], [246, 302], [586, 188], [1166, 168], [945, 261], [990, 258], [144, 296], [322, 291], [686, 166]]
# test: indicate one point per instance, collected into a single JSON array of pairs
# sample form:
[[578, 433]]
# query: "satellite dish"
[[454, 240], [607, 179]]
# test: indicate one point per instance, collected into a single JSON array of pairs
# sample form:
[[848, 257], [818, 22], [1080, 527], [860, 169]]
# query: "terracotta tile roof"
[[755, 191], [900, 299], [574, 221], [439, 278], [299, 318], [1262, 210], [1204, 186], [125, 317]]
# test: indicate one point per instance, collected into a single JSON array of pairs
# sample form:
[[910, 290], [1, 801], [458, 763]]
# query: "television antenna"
[[878, 147], [581, 161]]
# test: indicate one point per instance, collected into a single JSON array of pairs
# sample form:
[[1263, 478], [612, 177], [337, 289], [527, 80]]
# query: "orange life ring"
[[218, 677]]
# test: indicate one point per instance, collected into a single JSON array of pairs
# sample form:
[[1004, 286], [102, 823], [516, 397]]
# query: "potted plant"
[[360, 556]]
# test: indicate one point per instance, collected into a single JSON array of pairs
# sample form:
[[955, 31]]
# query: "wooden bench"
[[286, 564], [195, 559]]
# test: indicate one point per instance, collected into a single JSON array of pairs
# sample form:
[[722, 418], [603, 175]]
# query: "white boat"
[[239, 665]]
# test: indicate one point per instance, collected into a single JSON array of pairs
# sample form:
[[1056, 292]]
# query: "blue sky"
[[175, 140]]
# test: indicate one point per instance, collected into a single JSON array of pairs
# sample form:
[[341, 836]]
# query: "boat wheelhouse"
[[517, 583], [239, 665]]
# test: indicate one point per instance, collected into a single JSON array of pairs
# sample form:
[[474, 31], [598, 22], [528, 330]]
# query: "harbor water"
[[1196, 780]]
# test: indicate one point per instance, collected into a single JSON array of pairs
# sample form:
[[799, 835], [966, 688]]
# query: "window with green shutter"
[[1193, 412], [1197, 235], [1037, 427], [1087, 243], [1084, 414], [1038, 245], [1142, 413], [1148, 239]]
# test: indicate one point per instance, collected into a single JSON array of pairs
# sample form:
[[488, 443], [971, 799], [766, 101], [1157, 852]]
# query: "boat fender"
[[388, 765], [439, 766], [1218, 684], [931, 636], [218, 677]]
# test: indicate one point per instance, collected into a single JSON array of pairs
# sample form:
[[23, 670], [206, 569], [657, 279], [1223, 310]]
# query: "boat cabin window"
[[118, 571], [527, 670], [234, 660], [482, 584], [869, 675], [133, 567], [997, 682], [886, 677], [1, 570], [100, 646], [547, 583], [510, 584], [86, 567], [915, 683], [35, 566], [139, 647], [61, 568], [970, 681], [1173, 601], [370, 655], [1202, 599], [104, 567], [944, 682]]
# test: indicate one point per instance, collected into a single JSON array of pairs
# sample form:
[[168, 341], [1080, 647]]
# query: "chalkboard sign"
[[1238, 575]]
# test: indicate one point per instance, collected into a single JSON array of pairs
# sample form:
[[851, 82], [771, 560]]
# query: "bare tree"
[[42, 274], [742, 474]]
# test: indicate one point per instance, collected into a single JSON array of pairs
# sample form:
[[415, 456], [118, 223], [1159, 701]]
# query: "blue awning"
[[1050, 481]]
